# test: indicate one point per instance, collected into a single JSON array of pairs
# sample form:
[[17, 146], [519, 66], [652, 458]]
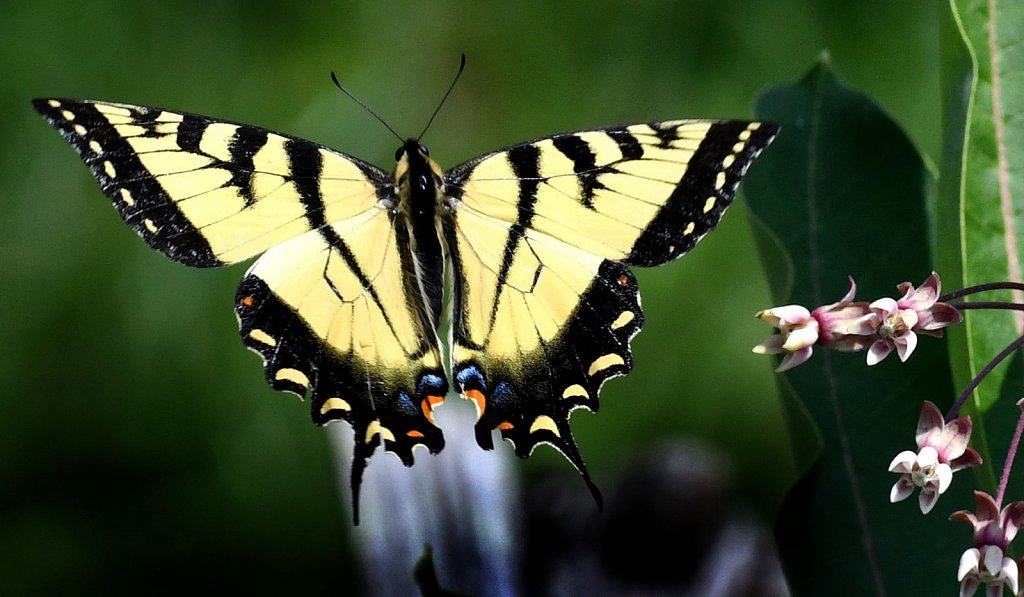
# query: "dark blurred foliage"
[[139, 446]]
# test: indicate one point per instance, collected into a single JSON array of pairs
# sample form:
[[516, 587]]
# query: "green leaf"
[[980, 195], [981, 189], [844, 192]]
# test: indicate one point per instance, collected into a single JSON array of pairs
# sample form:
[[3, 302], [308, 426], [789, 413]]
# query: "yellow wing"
[[209, 192], [332, 306], [540, 237]]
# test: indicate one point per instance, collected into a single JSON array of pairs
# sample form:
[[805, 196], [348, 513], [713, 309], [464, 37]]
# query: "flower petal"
[[969, 458], [985, 506], [903, 462], [923, 296], [969, 586], [928, 421], [906, 344], [1012, 518], [901, 490], [878, 351], [940, 315], [885, 305], [954, 438], [927, 456], [793, 359], [969, 562], [945, 475], [992, 559], [771, 345], [926, 500], [1009, 573], [784, 315], [866, 325], [801, 337]]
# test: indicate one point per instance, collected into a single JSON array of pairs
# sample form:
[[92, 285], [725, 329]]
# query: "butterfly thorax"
[[419, 187]]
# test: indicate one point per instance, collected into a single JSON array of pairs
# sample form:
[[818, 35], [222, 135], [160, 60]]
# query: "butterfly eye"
[[424, 150], [398, 153]]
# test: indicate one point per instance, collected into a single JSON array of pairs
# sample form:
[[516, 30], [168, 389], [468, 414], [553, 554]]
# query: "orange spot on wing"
[[505, 426], [248, 301], [623, 280], [478, 398], [414, 433], [427, 406]]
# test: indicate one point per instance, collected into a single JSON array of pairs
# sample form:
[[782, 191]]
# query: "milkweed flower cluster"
[[889, 325], [941, 451], [986, 562], [881, 326]]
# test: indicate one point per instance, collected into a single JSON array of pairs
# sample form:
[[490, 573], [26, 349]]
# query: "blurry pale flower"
[[800, 329], [941, 451], [798, 332], [986, 567]]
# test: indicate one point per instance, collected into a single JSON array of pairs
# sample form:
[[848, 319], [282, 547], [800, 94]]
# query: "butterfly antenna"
[[462, 65], [334, 78]]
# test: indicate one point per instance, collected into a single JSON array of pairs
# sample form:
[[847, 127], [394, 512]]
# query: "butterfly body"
[[344, 303]]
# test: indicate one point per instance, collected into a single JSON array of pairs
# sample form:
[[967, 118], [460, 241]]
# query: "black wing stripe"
[[702, 195], [137, 195]]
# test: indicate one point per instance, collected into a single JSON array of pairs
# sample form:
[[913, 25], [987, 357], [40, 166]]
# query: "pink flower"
[[798, 332], [941, 450], [896, 323], [800, 329], [986, 562], [986, 567]]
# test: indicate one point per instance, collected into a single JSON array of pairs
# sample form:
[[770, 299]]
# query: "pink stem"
[[1010, 455]]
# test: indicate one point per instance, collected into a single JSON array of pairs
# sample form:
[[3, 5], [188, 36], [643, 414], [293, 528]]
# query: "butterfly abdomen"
[[419, 186]]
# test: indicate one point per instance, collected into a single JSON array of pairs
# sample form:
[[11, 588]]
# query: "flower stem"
[[955, 409], [980, 288], [1010, 455], [987, 305]]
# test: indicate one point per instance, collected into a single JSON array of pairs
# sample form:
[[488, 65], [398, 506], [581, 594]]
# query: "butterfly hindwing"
[[545, 306], [328, 311]]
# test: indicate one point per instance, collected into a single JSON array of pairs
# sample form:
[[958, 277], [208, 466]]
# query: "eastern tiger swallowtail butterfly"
[[344, 303]]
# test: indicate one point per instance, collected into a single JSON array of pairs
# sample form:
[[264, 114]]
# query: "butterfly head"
[[417, 177]]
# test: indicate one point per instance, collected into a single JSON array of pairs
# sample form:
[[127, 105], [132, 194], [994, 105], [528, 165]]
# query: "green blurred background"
[[137, 437]]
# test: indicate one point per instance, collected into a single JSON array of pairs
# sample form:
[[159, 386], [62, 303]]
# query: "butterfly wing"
[[332, 305], [541, 236]]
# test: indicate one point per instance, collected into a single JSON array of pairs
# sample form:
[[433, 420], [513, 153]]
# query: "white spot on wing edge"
[[710, 203], [150, 225], [575, 390], [53, 103], [375, 428], [544, 422], [623, 318], [126, 196], [262, 337], [603, 362], [335, 404], [292, 375], [108, 167]]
